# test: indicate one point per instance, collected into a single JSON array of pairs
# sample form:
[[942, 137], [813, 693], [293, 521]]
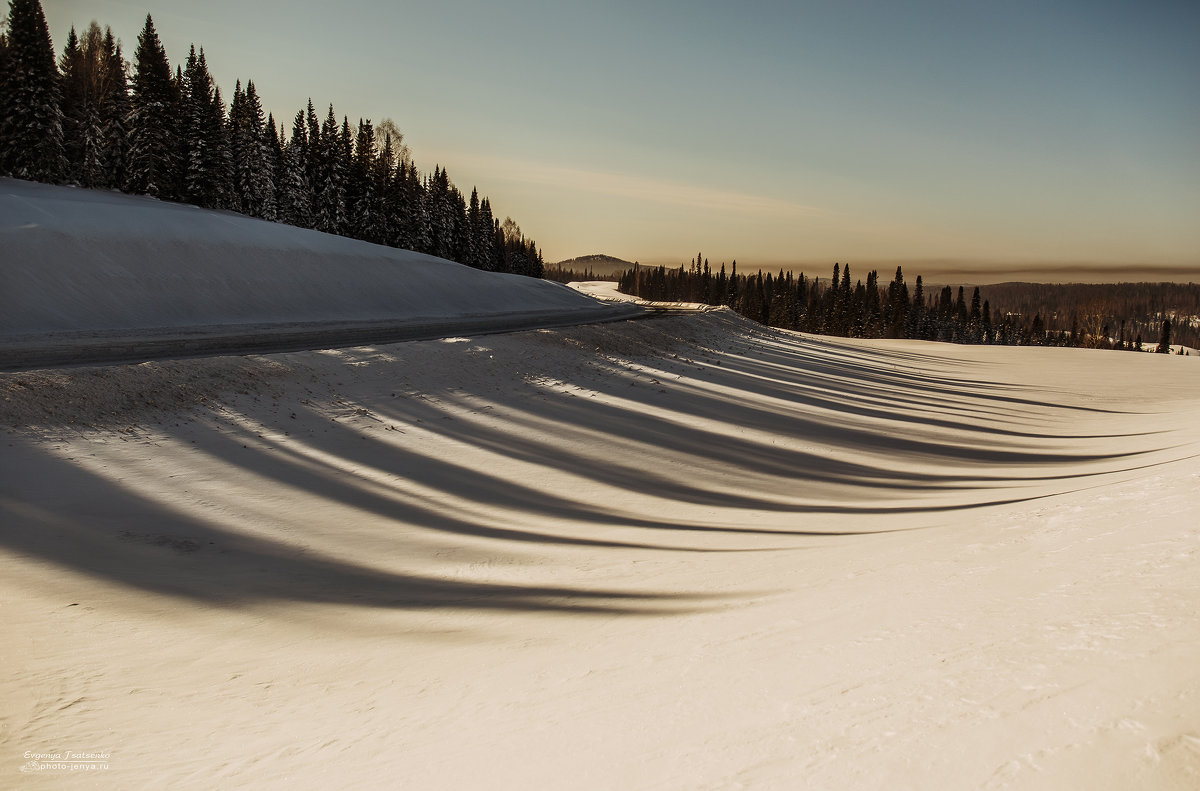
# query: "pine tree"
[[152, 133], [31, 127]]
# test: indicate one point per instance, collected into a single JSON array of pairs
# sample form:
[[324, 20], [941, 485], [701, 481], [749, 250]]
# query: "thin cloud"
[[641, 188]]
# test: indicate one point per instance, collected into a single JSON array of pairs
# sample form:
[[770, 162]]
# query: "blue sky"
[[965, 133]]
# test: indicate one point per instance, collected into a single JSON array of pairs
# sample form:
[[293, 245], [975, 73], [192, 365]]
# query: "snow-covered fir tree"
[[31, 123], [152, 167], [205, 148], [294, 192], [470, 233], [329, 210], [485, 241], [383, 184], [253, 173], [73, 97], [361, 194], [113, 109], [274, 157]]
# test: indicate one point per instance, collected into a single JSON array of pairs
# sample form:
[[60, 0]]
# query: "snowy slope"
[[81, 260], [683, 553]]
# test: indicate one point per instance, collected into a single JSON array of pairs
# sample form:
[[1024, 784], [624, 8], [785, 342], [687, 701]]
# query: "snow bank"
[[74, 260]]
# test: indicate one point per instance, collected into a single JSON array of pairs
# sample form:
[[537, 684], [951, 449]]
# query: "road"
[[123, 346]]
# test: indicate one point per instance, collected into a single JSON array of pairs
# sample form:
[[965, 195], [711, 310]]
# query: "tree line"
[[871, 309], [1094, 312], [560, 274], [91, 119]]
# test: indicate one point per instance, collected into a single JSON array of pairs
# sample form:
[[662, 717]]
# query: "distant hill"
[[597, 263]]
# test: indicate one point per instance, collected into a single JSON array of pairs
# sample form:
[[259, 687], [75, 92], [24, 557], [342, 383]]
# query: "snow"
[[684, 552], [84, 260]]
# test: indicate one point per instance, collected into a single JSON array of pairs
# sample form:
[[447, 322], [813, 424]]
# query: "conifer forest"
[[1124, 316], [90, 118]]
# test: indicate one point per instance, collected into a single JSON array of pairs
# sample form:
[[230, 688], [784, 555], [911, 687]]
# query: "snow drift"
[[87, 262]]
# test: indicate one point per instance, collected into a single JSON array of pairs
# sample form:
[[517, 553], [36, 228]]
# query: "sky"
[[957, 136]]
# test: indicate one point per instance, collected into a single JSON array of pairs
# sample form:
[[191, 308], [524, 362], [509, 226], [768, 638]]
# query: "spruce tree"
[[330, 204], [382, 177], [295, 193], [441, 214], [485, 240], [152, 134], [204, 151], [361, 195], [459, 232], [975, 318], [314, 165], [31, 124], [113, 111], [4, 102], [897, 308], [85, 93], [273, 145], [253, 181], [420, 228], [960, 318], [261, 173], [915, 325], [1164, 338], [73, 100], [472, 257], [1037, 331]]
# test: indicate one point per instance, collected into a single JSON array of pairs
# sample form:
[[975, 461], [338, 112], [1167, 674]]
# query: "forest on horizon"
[[1122, 316]]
